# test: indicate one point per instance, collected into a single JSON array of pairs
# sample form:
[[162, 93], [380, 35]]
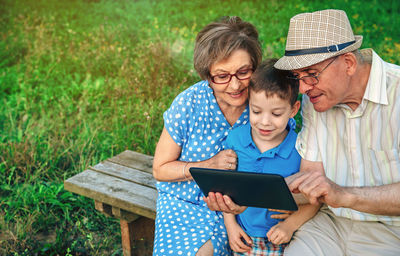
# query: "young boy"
[[267, 145]]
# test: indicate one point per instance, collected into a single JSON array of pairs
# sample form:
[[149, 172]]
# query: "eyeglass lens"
[[226, 78]]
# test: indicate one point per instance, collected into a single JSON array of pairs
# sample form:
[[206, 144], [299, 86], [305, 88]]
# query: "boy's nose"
[[265, 120]]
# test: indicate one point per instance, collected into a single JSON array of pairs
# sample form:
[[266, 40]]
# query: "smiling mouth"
[[314, 99], [236, 94], [264, 132]]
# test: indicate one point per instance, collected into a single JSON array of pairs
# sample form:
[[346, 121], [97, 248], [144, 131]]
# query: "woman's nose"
[[234, 83]]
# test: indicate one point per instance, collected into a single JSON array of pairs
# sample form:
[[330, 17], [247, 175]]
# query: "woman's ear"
[[295, 108]]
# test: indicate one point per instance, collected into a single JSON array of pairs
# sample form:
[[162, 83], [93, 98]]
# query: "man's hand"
[[222, 203], [315, 186]]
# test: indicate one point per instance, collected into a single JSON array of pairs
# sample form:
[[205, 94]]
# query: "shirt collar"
[[376, 86], [283, 150]]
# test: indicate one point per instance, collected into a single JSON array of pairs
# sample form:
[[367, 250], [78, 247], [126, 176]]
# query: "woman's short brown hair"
[[219, 39]]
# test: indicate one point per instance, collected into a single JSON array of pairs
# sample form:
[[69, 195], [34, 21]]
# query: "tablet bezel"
[[246, 188]]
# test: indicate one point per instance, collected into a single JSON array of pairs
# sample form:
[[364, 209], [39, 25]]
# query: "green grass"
[[81, 81]]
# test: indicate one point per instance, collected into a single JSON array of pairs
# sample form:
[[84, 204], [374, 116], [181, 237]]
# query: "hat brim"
[[302, 61]]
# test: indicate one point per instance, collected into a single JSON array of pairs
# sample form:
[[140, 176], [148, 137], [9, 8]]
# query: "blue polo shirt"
[[283, 160]]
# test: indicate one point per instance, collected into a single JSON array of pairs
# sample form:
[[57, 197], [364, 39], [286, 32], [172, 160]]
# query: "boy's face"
[[269, 117]]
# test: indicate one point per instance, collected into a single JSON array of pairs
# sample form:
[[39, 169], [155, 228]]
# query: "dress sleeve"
[[176, 117], [307, 143]]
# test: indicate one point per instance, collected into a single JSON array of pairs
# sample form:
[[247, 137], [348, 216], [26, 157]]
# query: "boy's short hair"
[[274, 81]]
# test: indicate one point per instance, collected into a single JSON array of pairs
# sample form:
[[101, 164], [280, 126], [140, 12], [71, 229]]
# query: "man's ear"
[[295, 109], [351, 63]]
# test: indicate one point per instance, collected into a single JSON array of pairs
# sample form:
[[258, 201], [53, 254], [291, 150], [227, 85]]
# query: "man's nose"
[[303, 87]]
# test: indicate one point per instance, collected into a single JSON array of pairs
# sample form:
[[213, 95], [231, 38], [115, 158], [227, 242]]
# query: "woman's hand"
[[225, 159], [222, 203]]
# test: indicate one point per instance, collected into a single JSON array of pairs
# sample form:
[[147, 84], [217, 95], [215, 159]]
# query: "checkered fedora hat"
[[317, 36]]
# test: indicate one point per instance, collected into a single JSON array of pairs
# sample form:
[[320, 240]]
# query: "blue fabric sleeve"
[[176, 117]]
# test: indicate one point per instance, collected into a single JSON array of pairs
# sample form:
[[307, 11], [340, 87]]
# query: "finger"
[[212, 202], [231, 153], [272, 237], [236, 245], [296, 179], [276, 238], [313, 189], [269, 233], [237, 248], [242, 245], [282, 211], [318, 196], [234, 208], [308, 185], [231, 160], [280, 216], [221, 203], [277, 241], [247, 239]]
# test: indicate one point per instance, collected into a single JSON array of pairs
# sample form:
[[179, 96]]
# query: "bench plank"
[[125, 173], [119, 193], [134, 160]]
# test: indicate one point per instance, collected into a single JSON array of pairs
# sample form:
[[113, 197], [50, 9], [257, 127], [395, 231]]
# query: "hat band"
[[325, 49]]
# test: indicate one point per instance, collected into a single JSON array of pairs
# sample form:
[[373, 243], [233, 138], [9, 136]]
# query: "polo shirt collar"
[[283, 150]]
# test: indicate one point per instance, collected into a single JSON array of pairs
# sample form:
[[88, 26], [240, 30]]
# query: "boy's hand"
[[239, 241], [280, 233]]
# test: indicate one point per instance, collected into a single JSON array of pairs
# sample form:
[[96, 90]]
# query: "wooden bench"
[[123, 187]]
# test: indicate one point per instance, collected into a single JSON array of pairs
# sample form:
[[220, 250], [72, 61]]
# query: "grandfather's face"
[[332, 87]]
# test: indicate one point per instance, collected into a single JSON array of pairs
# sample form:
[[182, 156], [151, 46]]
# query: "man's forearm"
[[379, 200]]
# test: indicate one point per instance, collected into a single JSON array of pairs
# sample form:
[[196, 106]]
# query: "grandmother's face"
[[233, 93]]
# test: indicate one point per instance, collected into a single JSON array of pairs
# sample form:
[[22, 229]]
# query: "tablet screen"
[[246, 188]]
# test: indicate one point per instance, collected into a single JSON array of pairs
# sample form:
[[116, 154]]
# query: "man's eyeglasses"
[[312, 79], [225, 78]]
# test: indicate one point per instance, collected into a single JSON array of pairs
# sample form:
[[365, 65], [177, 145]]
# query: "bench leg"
[[137, 237]]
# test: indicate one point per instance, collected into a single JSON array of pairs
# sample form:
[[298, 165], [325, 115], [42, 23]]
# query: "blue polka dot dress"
[[184, 222]]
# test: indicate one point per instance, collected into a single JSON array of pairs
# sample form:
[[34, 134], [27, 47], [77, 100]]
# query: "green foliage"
[[81, 81]]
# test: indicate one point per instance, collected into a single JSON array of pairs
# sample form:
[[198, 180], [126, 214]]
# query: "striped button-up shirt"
[[360, 147]]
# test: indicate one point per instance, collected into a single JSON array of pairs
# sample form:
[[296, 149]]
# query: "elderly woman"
[[198, 121]]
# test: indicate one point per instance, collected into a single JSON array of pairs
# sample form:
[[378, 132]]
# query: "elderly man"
[[350, 141]]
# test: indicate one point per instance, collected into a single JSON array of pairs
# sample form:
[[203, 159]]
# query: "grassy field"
[[81, 81]]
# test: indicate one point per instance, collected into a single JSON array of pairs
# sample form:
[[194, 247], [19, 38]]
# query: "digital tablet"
[[246, 188]]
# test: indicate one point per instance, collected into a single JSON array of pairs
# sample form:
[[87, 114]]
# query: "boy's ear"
[[295, 108]]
